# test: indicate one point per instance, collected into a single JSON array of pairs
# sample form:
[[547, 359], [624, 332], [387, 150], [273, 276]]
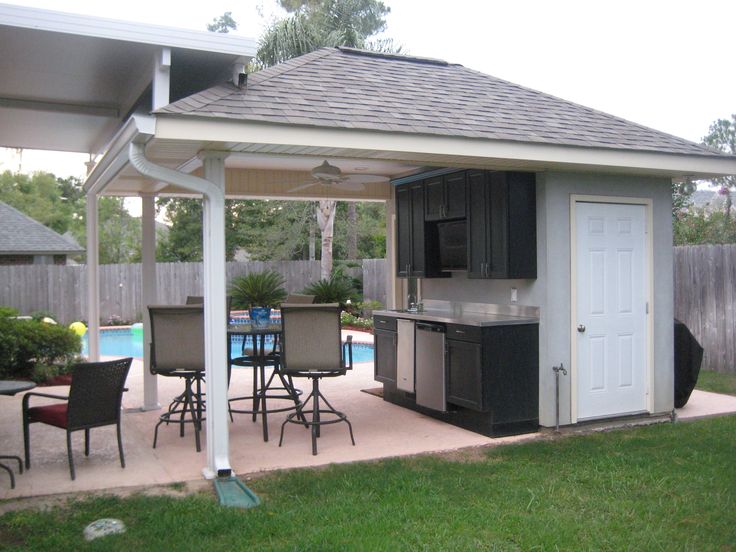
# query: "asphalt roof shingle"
[[20, 233], [345, 88]]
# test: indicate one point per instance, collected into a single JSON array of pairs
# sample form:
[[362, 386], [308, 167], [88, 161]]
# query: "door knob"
[[581, 328]]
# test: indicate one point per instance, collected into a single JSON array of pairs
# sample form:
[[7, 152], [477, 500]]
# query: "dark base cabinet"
[[384, 343], [492, 379]]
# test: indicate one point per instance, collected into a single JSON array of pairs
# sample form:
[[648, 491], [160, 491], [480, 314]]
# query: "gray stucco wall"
[[551, 290]]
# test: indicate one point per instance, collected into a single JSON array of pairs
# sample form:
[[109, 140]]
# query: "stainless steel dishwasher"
[[405, 355], [430, 366]]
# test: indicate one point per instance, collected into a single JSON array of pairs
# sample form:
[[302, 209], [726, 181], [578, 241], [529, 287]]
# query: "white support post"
[[161, 78], [215, 330], [148, 297], [93, 280]]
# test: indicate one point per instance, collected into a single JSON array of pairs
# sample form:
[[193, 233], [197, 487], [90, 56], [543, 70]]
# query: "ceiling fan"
[[331, 176]]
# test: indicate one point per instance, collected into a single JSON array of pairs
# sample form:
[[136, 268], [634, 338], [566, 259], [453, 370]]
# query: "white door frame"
[[649, 260]]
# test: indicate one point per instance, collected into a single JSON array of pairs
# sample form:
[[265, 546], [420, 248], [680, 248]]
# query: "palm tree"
[[314, 24]]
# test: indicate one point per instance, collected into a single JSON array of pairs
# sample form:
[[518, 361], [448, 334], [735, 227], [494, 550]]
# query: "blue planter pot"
[[260, 316]]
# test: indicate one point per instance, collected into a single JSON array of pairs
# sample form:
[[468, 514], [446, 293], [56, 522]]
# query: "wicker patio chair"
[[311, 348], [94, 400], [177, 350]]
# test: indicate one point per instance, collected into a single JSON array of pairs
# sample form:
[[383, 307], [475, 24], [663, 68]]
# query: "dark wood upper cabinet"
[[413, 250], [502, 225], [403, 231], [500, 210], [445, 197]]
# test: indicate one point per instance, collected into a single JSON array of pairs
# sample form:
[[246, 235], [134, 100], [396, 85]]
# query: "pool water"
[[121, 343]]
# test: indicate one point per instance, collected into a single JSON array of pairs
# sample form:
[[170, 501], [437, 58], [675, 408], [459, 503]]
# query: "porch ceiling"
[[70, 81], [271, 169]]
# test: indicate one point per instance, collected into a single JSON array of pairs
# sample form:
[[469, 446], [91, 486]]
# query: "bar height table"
[[259, 361]]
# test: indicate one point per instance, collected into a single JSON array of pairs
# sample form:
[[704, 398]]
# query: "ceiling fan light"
[[326, 172]]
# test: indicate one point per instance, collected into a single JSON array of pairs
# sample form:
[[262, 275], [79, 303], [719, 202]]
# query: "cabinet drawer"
[[464, 333], [384, 323]]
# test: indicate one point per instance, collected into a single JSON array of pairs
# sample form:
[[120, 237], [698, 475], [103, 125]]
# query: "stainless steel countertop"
[[465, 318]]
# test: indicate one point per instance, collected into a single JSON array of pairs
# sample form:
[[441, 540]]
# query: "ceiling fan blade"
[[305, 185], [349, 186], [364, 178]]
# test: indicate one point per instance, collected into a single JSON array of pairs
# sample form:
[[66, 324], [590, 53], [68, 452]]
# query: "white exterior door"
[[611, 324]]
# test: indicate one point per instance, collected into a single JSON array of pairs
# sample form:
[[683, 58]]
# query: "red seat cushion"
[[53, 414]]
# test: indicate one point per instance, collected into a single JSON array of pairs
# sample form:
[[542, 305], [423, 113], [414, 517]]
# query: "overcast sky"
[[665, 64]]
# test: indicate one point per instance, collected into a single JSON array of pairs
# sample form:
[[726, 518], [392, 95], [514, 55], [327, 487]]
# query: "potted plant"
[[258, 292]]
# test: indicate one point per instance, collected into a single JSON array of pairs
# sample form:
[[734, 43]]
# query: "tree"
[[60, 204], [223, 24], [722, 136], [681, 192], [700, 226], [314, 24]]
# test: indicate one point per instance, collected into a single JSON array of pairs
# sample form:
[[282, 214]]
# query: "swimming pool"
[[121, 343]]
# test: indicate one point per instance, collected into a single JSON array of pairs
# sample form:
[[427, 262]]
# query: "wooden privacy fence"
[[62, 290], [705, 291]]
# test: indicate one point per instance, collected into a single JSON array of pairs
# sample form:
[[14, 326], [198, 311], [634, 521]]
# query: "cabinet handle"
[[381, 321], [460, 332]]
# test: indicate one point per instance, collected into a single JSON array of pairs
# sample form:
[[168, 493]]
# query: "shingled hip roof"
[[353, 89], [22, 235]]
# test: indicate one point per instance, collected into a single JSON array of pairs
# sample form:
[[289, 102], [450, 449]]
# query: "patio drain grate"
[[234, 494]]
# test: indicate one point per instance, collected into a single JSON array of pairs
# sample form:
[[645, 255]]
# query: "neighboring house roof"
[[347, 88], [21, 235]]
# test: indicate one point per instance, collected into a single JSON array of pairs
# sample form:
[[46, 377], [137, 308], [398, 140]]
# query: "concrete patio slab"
[[381, 430]]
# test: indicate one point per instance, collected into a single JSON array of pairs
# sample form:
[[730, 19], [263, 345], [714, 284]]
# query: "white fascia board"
[[138, 128], [552, 156], [128, 31]]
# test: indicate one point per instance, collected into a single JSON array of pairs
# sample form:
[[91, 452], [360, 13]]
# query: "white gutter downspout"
[[213, 190]]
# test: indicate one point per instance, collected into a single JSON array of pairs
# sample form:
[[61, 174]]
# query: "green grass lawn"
[[717, 382], [664, 487]]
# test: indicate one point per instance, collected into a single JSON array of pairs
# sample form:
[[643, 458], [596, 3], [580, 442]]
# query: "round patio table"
[[12, 387]]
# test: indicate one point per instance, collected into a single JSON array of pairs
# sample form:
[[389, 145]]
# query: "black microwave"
[[453, 245]]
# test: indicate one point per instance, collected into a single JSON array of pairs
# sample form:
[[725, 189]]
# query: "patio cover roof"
[[393, 115], [70, 81]]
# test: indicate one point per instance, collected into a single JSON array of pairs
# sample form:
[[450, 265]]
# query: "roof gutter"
[[137, 157], [138, 128]]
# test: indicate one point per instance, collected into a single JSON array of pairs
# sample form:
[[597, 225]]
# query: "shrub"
[[7, 312], [367, 308], [348, 319], [39, 315], [25, 343], [258, 289], [337, 289]]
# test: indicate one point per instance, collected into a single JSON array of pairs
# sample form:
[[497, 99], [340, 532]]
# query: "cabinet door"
[[498, 199], [465, 374], [522, 225], [434, 201], [454, 185], [384, 364], [478, 232], [418, 261], [403, 231]]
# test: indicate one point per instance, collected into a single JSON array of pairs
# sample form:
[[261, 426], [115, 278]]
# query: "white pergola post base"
[[215, 319], [93, 280]]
